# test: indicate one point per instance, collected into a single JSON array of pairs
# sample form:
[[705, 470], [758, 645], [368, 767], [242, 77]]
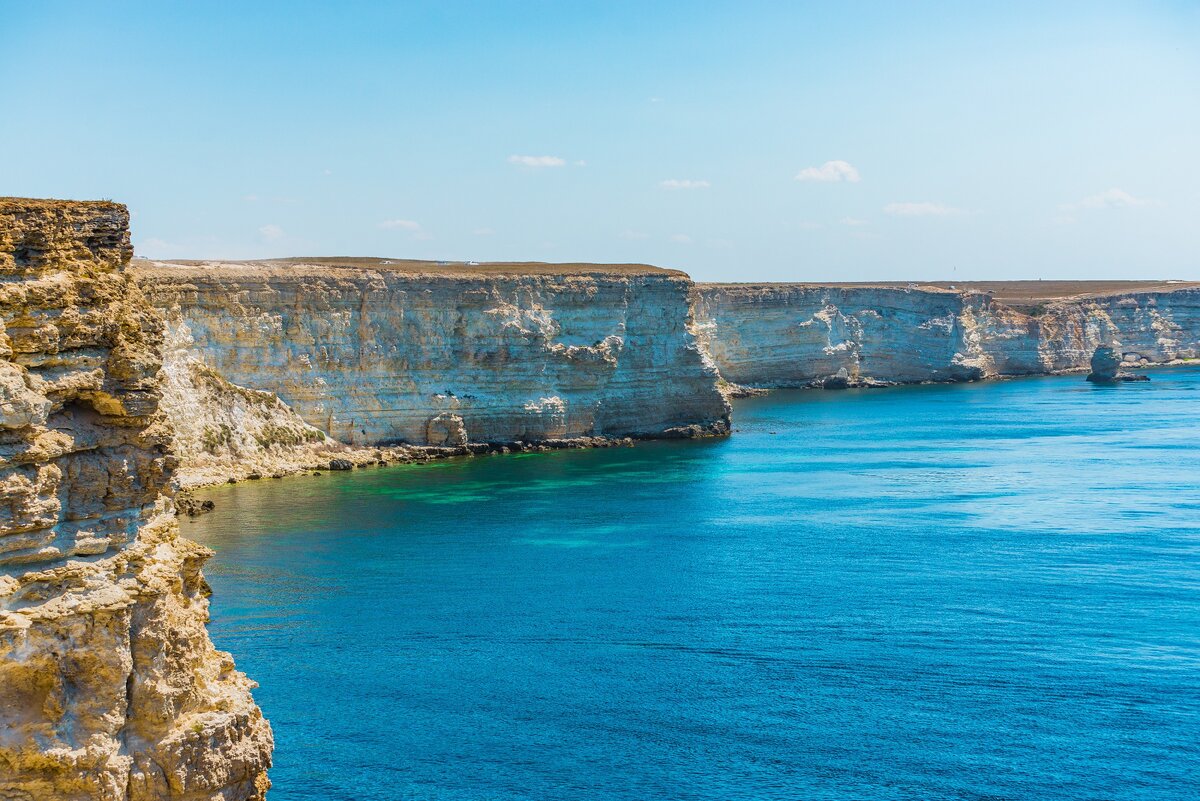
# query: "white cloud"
[[250, 198], [682, 239], [633, 235], [923, 209], [484, 231], [684, 183], [400, 225], [830, 171], [271, 232], [537, 161], [853, 221], [581, 163], [1109, 199]]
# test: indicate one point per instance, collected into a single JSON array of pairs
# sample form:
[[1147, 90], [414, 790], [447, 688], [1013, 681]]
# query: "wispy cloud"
[[633, 235], [922, 209], [155, 248], [270, 232], [411, 226], [681, 239], [684, 183], [830, 171], [1109, 199], [537, 161], [400, 225], [484, 231], [854, 221]]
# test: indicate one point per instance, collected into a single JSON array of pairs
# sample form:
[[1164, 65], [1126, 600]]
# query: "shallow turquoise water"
[[986, 591]]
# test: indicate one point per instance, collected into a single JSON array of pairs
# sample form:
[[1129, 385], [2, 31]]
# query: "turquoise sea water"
[[986, 591]]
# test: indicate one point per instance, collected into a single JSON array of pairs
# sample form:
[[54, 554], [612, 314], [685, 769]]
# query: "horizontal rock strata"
[[109, 685], [378, 352], [790, 335]]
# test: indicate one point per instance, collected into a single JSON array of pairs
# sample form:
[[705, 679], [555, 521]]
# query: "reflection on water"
[[958, 592]]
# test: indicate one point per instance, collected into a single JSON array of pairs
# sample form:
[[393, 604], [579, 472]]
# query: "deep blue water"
[[986, 591]]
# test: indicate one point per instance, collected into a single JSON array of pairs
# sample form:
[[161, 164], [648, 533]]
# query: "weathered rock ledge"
[[109, 685]]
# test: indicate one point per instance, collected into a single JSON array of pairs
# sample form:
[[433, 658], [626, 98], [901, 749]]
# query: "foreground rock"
[[1106, 368], [285, 365], [109, 685]]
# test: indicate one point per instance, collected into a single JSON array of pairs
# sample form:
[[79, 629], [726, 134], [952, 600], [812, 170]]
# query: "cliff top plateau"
[[300, 265]]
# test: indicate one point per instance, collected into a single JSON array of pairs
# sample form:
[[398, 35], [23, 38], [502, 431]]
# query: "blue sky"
[[737, 141]]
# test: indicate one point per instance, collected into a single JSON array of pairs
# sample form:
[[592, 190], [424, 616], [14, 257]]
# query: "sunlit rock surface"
[[374, 351], [109, 685]]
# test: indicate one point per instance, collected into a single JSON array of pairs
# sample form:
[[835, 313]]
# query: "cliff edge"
[[109, 685]]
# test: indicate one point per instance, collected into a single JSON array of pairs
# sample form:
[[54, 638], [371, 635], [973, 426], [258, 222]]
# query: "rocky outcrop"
[[1106, 368], [380, 352], [109, 685], [787, 335]]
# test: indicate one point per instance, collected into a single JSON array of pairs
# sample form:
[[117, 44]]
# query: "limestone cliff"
[[109, 685], [1147, 327], [781, 335], [378, 351]]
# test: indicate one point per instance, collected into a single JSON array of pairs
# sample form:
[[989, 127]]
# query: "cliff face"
[[780, 335], [377, 353], [109, 685], [795, 335]]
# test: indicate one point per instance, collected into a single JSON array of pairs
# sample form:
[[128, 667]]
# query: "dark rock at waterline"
[[188, 504], [1106, 368], [341, 464]]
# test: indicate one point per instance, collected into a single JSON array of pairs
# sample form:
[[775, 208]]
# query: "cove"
[[937, 592]]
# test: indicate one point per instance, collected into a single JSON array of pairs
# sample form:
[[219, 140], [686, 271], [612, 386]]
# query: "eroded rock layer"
[[383, 352], [109, 685], [785, 335]]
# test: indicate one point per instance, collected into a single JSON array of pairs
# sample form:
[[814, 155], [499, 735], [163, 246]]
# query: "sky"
[[738, 141]]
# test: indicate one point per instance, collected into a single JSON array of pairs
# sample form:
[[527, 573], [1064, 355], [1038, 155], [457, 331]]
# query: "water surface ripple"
[[986, 591]]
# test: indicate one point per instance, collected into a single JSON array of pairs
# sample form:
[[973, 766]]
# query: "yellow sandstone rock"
[[109, 685]]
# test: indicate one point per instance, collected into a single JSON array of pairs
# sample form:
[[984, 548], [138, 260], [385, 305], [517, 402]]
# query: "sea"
[[971, 591]]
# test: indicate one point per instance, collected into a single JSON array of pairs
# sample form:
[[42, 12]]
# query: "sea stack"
[[110, 688], [1106, 368]]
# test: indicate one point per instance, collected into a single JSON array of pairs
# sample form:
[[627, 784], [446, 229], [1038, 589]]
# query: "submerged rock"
[[1106, 368]]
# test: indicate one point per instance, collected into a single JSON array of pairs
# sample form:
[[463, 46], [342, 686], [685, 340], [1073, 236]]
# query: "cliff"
[[109, 685], [373, 351], [781, 335]]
